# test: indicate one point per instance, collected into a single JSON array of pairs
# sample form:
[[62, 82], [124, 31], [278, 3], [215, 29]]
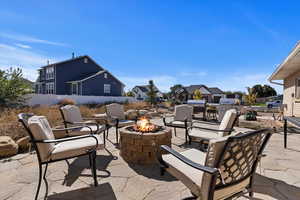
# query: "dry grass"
[[10, 126]]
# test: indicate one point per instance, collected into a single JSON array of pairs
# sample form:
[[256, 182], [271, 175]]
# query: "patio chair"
[[49, 149], [204, 134], [182, 118], [226, 171], [72, 117], [116, 117]]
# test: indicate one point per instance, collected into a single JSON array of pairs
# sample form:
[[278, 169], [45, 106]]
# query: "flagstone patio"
[[278, 177]]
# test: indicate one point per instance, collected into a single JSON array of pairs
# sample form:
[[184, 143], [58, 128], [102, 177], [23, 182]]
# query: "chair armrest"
[[72, 128], [187, 161], [66, 139], [210, 129], [205, 122], [165, 121]]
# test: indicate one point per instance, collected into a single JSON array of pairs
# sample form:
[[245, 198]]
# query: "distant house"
[[77, 76], [141, 92], [289, 72], [216, 94], [211, 95]]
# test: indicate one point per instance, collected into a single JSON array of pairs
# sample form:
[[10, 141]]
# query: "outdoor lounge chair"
[[50, 150], [182, 118], [116, 117], [72, 117], [225, 171], [204, 134]]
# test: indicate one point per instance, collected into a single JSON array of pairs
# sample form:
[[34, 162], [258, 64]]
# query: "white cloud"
[[163, 82], [28, 61], [24, 46], [30, 39]]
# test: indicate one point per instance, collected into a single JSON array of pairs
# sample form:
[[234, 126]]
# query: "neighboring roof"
[[86, 77], [191, 89], [215, 90], [146, 88], [289, 66]]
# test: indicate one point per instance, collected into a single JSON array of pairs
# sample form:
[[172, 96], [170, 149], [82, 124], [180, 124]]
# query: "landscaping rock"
[[8, 147], [131, 114], [23, 143]]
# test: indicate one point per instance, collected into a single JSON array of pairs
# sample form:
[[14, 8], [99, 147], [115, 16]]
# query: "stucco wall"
[[289, 96]]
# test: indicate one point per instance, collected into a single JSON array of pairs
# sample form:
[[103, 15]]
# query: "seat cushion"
[[86, 130], [183, 112], [179, 124], [200, 134], [41, 130], [115, 110], [71, 113], [75, 147], [189, 176], [227, 121], [123, 123]]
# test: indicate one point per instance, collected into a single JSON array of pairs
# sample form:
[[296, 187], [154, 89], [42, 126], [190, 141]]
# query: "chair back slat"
[[228, 122], [71, 113], [115, 110], [183, 112], [239, 158]]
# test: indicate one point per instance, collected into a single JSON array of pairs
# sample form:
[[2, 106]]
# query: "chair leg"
[[104, 141], [175, 132], [162, 171], [117, 136], [94, 168], [45, 180], [40, 180], [107, 132], [90, 161], [186, 135]]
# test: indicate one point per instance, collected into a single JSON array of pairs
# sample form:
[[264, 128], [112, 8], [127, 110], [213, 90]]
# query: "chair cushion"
[[179, 124], [115, 110], [200, 134], [75, 147], [86, 130], [41, 130], [123, 123], [183, 112], [71, 113], [189, 176], [227, 121]]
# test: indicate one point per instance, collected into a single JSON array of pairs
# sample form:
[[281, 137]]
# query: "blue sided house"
[[77, 76]]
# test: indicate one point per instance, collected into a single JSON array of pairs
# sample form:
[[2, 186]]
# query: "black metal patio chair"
[[49, 149], [224, 172]]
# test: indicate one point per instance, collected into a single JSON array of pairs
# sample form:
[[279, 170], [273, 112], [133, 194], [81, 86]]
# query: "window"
[[107, 88], [49, 88], [85, 60], [49, 73], [298, 88], [74, 88], [105, 75]]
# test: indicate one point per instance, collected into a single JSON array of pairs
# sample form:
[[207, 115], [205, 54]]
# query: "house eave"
[[289, 66]]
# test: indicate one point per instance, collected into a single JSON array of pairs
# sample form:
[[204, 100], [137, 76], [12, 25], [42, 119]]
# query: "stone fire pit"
[[140, 148]]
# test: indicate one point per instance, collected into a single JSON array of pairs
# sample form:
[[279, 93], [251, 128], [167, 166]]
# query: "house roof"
[[290, 65], [215, 90], [203, 89], [84, 76]]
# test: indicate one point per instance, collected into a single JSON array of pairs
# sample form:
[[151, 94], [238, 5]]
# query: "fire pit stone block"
[[138, 148]]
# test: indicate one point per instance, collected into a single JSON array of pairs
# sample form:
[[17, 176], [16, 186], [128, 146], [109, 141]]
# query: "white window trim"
[[297, 96], [106, 88]]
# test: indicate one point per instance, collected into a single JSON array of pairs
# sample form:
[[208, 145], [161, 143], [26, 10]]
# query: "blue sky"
[[228, 44]]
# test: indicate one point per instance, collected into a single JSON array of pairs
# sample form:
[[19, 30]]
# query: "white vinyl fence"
[[50, 99]]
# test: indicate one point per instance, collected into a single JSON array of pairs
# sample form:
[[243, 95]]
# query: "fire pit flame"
[[144, 125]]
